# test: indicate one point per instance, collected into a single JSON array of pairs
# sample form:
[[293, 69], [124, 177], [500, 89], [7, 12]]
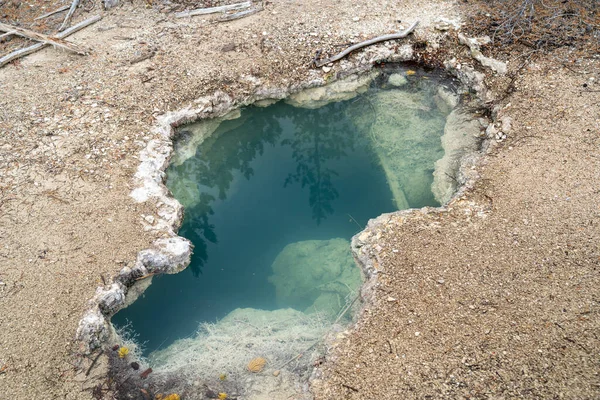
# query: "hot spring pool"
[[272, 196]]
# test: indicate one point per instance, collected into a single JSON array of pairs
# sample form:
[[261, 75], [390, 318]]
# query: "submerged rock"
[[194, 134], [344, 89], [315, 275], [250, 347], [397, 80], [461, 136], [405, 128]]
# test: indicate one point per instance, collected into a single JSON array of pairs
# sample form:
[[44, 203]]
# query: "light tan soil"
[[498, 296], [516, 313]]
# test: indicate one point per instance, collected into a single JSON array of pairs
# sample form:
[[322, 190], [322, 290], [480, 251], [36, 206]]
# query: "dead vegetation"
[[536, 24]]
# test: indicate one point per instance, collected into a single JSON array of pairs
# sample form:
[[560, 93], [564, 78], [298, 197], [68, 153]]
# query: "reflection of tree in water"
[[321, 134], [212, 170]]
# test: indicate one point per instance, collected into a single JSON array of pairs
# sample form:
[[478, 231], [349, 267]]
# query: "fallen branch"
[[39, 37], [65, 23], [94, 361], [63, 8], [6, 35], [212, 10], [240, 14], [32, 49], [369, 42]]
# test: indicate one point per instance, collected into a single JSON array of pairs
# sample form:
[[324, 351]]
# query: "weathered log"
[[369, 42], [212, 10], [32, 49]]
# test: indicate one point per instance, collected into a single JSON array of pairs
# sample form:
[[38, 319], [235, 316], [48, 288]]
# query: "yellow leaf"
[[123, 351]]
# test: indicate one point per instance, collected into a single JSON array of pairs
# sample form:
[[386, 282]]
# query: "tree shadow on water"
[[318, 136], [213, 170], [321, 135]]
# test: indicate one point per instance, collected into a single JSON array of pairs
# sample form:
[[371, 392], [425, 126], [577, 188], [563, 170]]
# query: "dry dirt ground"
[[495, 297]]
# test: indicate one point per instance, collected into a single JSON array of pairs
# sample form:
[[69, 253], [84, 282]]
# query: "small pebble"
[[356, 19], [276, 373]]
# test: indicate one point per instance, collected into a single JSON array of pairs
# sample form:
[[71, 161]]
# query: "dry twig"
[[212, 10], [65, 23], [63, 8], [240, 14]]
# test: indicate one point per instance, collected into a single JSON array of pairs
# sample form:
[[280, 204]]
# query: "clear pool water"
[[274, 194]]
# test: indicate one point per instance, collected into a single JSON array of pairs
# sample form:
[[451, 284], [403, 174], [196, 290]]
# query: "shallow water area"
[[272, 196]]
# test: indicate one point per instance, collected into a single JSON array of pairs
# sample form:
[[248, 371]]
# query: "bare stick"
[[5, 36], [65, 23], [369, 42], [39, 37], [240, 14], [63, 8], [32, 49], [93, 363], [297, 356], [212, 10], [146, 276]]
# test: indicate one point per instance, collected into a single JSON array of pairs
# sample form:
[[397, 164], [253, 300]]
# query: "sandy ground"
[[504, 300], [496, 297]]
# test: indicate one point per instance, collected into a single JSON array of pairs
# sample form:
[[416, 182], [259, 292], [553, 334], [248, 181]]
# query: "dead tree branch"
[[65, 23], [63, 8], [240, 14], [39, 37], [32, 49], [6, 35], [369, 42], [212, 10]]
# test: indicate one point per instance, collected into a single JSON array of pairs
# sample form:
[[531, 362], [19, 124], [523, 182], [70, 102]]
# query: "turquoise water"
[[273, 196]]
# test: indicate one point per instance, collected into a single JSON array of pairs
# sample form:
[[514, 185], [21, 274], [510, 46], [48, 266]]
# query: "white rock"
[[326, 69], [460, 139], [474, 45], [506, 124], [491, 131], [397, 80]]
